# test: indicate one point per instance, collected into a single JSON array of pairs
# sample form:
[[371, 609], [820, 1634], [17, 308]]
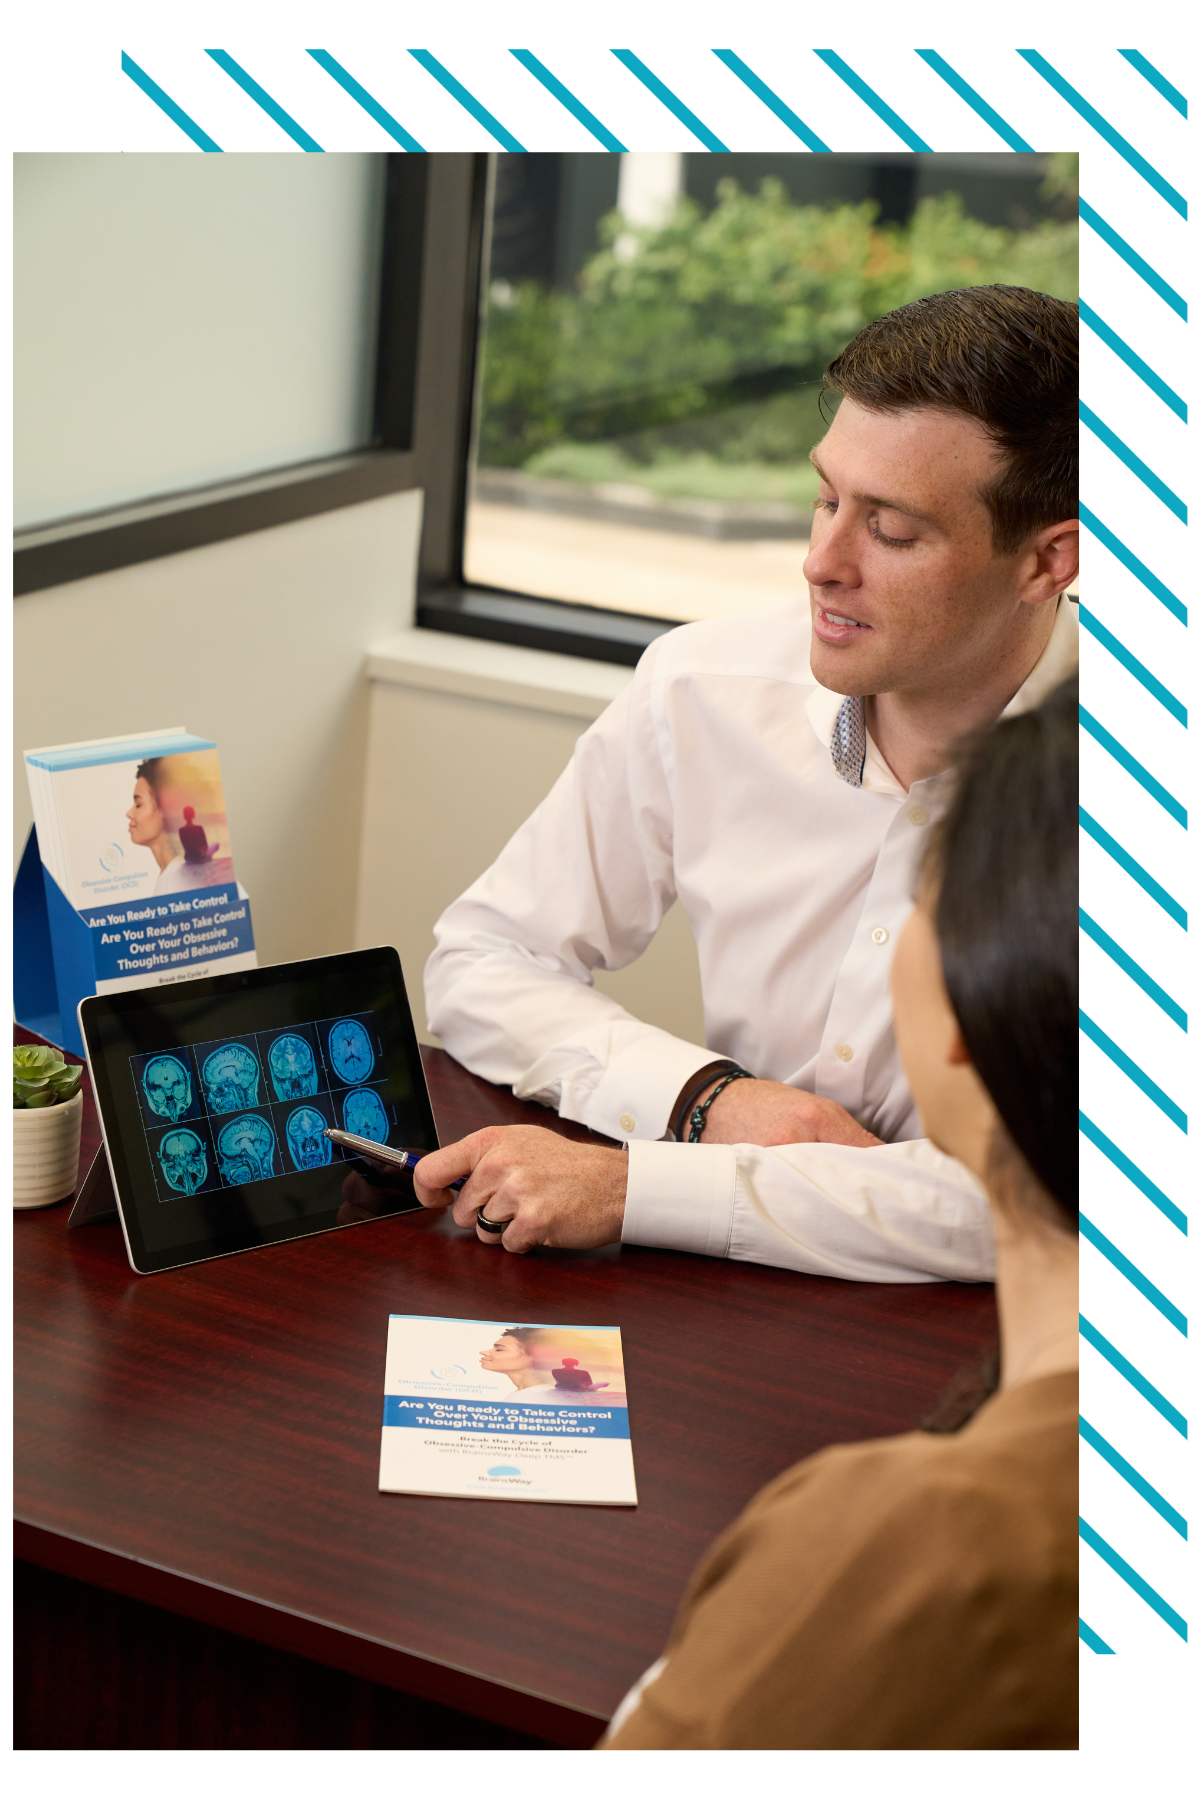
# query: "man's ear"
[[958, 1055], [1052, 561]]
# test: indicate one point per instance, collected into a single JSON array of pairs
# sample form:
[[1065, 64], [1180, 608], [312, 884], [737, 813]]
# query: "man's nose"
[[830, 557]]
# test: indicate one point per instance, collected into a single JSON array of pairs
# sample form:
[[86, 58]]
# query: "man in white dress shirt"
[[777, 774]]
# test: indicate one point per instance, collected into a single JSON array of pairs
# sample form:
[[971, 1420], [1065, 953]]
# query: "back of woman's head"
[[1005, 867]]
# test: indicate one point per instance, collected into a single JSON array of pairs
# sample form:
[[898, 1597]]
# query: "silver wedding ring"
[[495, 1226]]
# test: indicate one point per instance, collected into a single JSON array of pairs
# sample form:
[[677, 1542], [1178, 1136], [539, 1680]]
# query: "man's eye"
[[829, 505], [893, 543]]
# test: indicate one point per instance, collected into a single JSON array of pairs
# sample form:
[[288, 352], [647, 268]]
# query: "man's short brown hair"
[[1006, 356]]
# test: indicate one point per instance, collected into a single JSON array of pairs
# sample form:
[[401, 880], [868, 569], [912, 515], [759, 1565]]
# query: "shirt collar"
[[841, 722], [1059, 659]]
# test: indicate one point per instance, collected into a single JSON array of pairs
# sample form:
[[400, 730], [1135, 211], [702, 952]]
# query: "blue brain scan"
[[167, 1085], [183, 1161], [230, 1078], [293, 1067], [350, 1050], [246, 1150], [309, 1146], [364, 1115]]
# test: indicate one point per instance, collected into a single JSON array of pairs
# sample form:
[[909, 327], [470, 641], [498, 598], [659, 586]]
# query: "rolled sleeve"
[[895, 1212], [637, 1090], [898, 1212]]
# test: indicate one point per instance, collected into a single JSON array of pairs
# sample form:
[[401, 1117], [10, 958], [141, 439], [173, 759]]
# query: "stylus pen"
[[382, 1153]]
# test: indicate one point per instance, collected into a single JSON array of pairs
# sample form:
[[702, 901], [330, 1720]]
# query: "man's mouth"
[[837, 627]]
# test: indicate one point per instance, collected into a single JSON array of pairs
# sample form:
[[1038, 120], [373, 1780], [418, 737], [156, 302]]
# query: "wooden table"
[[207, 1440]]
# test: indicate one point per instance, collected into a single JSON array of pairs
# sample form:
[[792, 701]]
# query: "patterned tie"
[[848, 745]]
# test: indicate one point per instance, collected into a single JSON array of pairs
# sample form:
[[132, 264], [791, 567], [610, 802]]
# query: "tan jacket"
[[917, 1592]]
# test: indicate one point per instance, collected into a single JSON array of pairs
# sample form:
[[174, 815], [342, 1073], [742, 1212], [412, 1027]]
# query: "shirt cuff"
[[637, 1091], [680, 1197]]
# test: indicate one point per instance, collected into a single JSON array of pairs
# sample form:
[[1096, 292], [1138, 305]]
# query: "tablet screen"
[[215, 1096]]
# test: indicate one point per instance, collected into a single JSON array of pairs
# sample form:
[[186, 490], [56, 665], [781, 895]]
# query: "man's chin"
[[844, 670]]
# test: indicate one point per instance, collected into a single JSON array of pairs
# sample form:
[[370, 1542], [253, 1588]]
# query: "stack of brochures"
[[128, 877], [493, 1411]]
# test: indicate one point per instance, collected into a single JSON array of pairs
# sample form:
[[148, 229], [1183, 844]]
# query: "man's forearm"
[[898, 1212]]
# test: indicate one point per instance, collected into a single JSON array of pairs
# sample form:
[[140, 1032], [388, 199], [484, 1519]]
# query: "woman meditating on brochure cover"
[[921, 1592], [157, 787], [532, 1358]]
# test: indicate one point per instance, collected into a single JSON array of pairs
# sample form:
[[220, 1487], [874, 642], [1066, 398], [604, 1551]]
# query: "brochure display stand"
[[61, 955], [127, 878]]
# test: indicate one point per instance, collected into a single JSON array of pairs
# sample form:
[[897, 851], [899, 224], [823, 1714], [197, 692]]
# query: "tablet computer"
[[215, 1095]]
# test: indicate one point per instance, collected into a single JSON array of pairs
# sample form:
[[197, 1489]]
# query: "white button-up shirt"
[[721, 778]]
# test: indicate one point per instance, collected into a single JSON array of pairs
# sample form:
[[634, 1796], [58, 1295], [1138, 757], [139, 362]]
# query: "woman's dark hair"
[[1004, 863], [152, 773], [524, 1334]]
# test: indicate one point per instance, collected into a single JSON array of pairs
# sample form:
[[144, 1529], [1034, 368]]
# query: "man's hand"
[[771, 1112], [566, 1196]]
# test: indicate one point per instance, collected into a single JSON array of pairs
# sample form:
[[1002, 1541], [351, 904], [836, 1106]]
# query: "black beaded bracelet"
[[712, 1072], [699, 1117]]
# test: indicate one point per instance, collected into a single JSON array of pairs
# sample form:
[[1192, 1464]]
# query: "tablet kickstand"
[[95, 1200]]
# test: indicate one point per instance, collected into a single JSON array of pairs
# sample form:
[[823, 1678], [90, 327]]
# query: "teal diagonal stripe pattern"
[[1128, 1574], [1127, 112], [261, 98]]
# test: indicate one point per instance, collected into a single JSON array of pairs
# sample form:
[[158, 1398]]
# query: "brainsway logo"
[[111, 858], [448, 1371], [510, 1476]]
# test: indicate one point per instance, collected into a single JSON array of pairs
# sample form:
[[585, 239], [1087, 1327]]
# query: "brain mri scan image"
[[309, 1147], [183, 1161], [167, 1085], [230, 1079], [246, 1150], [293, 1067], [350, 1050], [364, 1115]]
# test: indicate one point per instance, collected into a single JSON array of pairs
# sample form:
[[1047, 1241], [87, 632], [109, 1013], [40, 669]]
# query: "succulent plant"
[[42, 1078]]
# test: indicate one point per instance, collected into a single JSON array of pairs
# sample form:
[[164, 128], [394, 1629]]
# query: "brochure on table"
[[127, 878], [492, 1410]]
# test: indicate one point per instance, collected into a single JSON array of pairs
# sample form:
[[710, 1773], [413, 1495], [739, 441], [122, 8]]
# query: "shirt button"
[[918, 816], [843, 1052], [879, 935], [628, 1122]]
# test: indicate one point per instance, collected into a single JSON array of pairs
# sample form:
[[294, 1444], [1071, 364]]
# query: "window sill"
[[563, 627], [507, 674]]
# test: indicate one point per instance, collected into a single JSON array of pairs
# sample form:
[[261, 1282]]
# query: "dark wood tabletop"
[[208, 1439]]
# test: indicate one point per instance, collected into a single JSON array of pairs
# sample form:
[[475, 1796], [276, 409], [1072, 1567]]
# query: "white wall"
[[259, 643], [188, 319], [465, 739]]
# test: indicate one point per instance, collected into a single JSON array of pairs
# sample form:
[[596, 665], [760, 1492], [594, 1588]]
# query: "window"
[[603, 371], [188, 320], [653, 332]]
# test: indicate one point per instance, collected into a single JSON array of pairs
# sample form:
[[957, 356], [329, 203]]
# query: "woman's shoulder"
[[172, 878], [1015, 1461], [916, 1591]]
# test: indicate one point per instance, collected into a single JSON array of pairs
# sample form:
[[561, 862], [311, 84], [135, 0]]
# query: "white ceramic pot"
[[46, 1152]]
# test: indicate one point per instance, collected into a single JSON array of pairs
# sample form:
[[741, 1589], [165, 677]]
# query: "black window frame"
[[434, 225], [444, 401]]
